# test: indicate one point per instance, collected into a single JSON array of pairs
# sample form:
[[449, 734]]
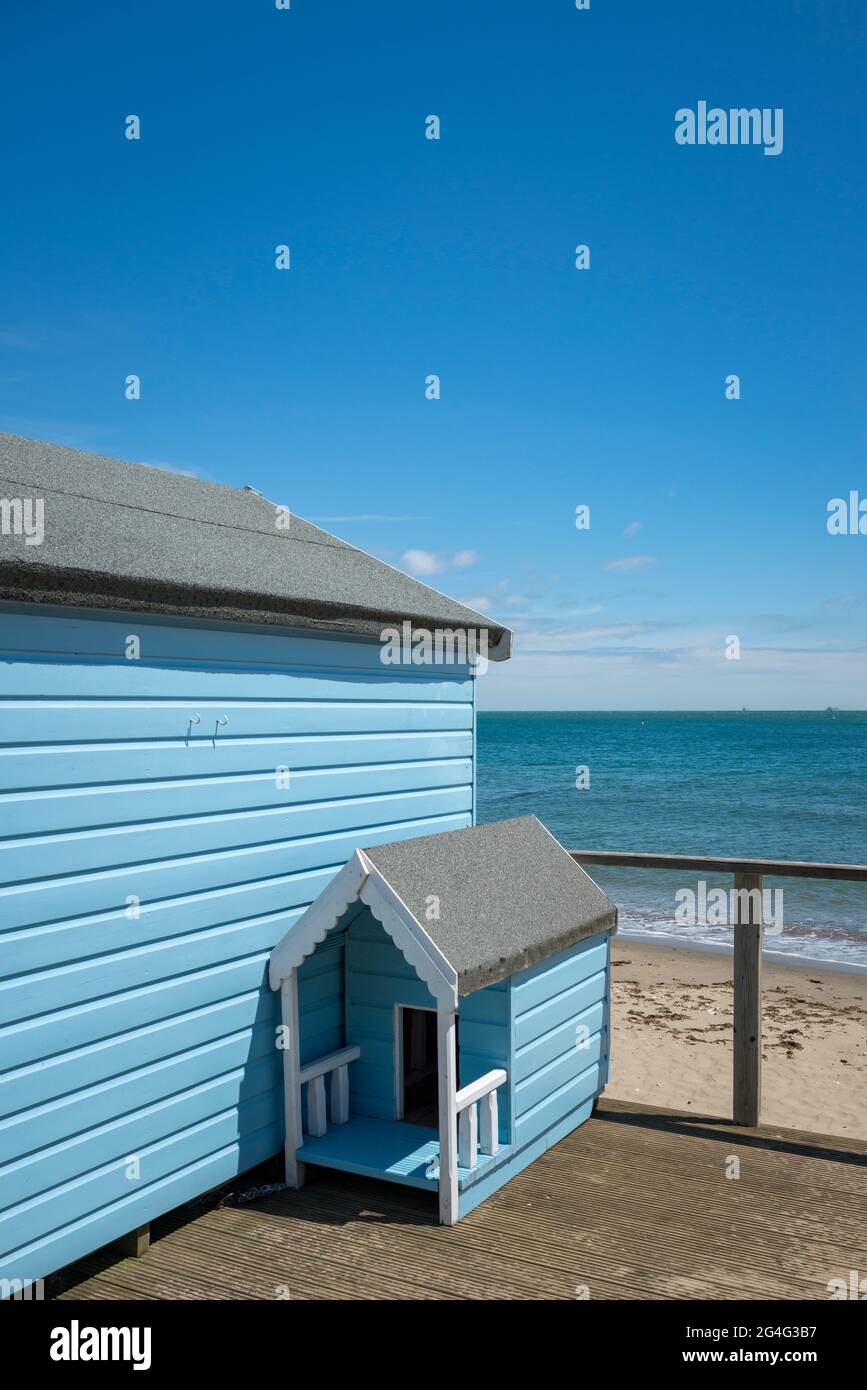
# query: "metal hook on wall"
[[219, 724], [194, 719]]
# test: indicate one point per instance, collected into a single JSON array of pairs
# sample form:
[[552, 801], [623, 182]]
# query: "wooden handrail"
[[703, 863], [329, 1063], [476, 1090], [747, 968]]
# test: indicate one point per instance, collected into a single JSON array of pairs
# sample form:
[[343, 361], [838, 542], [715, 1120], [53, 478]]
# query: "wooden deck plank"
[[634, 1205]]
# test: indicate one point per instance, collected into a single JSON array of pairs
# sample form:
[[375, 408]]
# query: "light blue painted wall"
[[152, 1034], [485, 1043], [378, 977], [551, 1074], [321, 1018], [552, 1082]]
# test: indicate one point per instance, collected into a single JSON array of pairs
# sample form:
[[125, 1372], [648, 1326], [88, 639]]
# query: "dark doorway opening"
[[420, 1072]]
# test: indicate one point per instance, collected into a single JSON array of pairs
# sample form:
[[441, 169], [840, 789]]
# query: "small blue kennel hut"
[[198, 729], [445, 1005]]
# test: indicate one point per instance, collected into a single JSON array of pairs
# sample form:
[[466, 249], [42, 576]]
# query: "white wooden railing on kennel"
[[478, 1117], [313, 1076]]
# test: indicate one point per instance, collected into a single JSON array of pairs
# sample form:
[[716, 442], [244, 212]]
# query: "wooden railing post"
[[317, 1122], [747, 1088], [335, 1064], [340, 1095], [489, 1126], [748, 874], [448, 1116], [468, 1137], [292, 1080]]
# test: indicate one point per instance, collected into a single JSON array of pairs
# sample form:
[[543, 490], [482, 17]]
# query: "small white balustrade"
[[478, 1120], [313, 1077]]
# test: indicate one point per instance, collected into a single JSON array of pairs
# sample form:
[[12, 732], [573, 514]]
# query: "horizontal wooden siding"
[[149, 860], [560, 1039], [378, 977]]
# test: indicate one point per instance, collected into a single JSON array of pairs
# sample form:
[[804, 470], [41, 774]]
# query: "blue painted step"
[[397, 1152]]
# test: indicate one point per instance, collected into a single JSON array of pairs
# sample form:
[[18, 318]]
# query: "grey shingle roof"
[[130, 536], [509, 896]]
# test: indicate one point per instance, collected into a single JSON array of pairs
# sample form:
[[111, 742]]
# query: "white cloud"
[[631, 562], [427, 563], [631, 529], [463, 558], [550, 639], [423, 562], [673, 678], [487, 601]]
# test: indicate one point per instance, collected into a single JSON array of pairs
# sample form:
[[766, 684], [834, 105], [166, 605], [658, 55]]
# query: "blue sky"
[[456, 257]]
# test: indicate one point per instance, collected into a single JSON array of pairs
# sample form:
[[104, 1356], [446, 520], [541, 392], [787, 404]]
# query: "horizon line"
[[815, 709]]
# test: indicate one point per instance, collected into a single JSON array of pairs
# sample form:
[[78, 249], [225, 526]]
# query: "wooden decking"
[[634, 1205]]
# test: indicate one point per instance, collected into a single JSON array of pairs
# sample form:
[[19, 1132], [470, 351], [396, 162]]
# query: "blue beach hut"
[[198, 730], [445, 1011]]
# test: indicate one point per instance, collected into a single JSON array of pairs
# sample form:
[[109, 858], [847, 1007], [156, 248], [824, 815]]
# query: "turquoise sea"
[[763, 785]]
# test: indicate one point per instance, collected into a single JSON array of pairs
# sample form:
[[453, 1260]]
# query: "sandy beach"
[[672, 1037]]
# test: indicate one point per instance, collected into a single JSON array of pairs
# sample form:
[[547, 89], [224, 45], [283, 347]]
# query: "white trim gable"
[[410, 937], [320, 918], [360, 880]]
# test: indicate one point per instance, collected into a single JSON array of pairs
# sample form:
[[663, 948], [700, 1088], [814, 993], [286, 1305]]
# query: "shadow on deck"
[[635, 1204]]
